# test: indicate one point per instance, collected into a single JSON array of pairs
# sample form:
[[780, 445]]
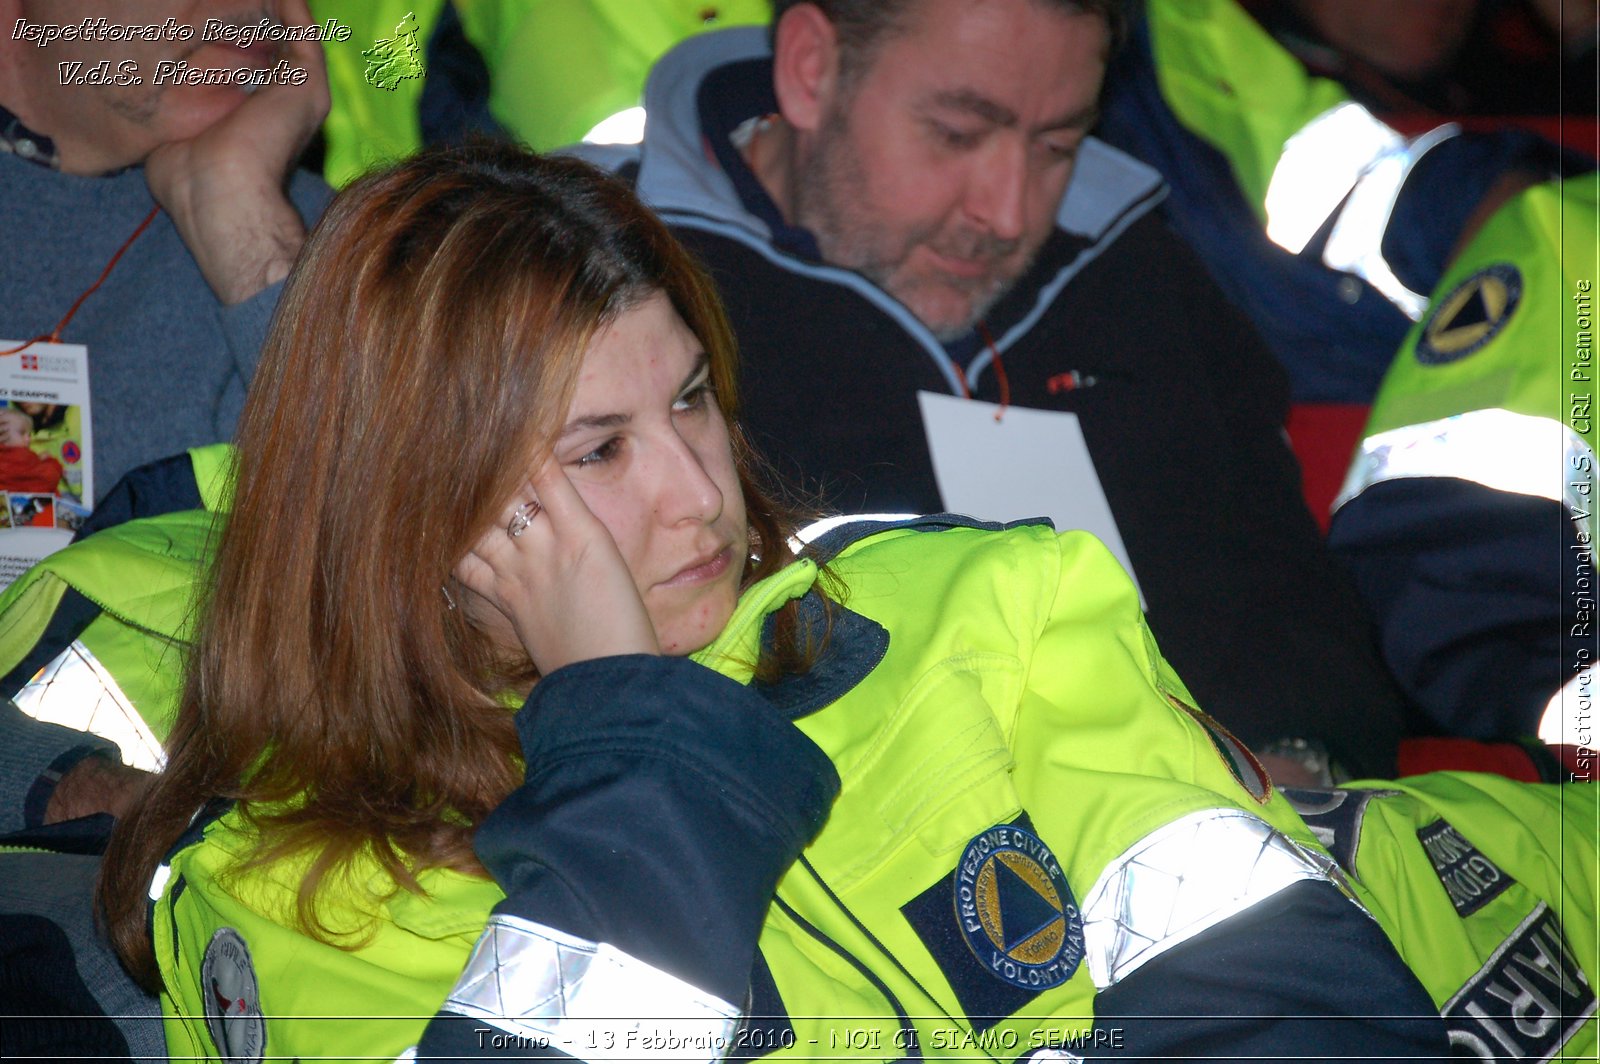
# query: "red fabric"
[[22, 470], [1511, 760], [1324, 436], [1466, 755], [1577, 132]]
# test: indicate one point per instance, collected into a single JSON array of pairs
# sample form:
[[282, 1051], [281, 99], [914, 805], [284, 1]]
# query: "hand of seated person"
[[558, 581], [95, 785], [224, 188]]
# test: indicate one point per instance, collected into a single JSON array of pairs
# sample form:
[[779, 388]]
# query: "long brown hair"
[[428, 338]]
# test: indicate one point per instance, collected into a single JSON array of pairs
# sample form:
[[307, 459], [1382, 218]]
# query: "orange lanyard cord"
[[54, 336], [999, 373], [961, 379]]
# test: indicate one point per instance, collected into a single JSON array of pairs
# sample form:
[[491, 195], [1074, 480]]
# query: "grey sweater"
[[168, 364]]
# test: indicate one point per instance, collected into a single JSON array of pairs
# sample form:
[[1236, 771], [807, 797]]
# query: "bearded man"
[[949, 296]]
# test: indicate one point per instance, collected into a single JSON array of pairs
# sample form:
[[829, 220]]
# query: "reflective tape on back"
[[1505, 451], [75, 691]]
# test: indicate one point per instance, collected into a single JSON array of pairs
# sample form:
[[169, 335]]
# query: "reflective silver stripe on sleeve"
[[1510, 452], [587, 999], [1568, 718], [1346, 162], [1318, 167], [159, 880], [1355, 244], [75, 691], [1182, 879]]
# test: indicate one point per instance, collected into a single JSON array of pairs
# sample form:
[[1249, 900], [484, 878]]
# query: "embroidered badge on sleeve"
[[233, 998], [1471, 315], [1013, 905]]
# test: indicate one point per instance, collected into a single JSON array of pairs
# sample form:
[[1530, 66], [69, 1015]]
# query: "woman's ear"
[[805, 66]]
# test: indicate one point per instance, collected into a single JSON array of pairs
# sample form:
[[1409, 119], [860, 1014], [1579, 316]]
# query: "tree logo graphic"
[[392, 60]]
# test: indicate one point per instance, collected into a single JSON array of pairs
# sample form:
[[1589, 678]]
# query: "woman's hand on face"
[[560, 581]]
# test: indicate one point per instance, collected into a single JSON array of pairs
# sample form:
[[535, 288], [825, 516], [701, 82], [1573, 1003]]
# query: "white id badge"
[[46, 451], [1030, 463]]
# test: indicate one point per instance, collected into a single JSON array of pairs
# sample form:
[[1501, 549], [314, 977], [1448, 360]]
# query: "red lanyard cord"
[[54, 336], [999, 374]]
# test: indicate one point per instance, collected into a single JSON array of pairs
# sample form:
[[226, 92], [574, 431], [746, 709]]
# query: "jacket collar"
[[852, 645]]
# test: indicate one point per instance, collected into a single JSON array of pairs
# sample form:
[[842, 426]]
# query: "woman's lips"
[[702, 571]]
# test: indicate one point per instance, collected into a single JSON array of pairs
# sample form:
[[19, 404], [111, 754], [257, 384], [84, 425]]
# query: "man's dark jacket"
[[1183, 420]]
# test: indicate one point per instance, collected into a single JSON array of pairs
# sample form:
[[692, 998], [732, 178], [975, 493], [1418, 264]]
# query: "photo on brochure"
[[46, 449]]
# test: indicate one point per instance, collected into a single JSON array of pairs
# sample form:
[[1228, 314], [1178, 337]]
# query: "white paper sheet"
[[1029, 463]]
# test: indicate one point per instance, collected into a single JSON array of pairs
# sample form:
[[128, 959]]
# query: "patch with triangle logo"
[[1471, 315], [1016, 911]]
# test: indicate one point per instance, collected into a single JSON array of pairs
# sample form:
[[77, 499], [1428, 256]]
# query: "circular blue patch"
[[1016, 911], [1471, 315]]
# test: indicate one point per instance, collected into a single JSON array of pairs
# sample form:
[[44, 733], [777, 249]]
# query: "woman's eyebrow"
[[701, 367], [595, 421]]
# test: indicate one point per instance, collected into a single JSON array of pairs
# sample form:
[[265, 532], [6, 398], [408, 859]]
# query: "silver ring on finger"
[[522, 518]]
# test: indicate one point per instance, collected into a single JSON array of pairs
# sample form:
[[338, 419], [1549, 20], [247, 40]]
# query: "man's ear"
[[805, 66]]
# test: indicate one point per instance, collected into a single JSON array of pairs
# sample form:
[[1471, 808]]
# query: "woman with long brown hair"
[[510, 706]]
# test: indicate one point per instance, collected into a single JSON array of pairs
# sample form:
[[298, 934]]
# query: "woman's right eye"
[[603, 453]]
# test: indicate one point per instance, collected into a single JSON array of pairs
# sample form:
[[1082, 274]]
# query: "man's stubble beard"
[[826, 197]]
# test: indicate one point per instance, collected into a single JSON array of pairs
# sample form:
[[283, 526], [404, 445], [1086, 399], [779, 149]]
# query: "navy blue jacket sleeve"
[[662, 803], [1483, 598], [1304, 975]]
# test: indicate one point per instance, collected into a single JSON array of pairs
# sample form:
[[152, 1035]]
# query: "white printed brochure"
[[46, 451]]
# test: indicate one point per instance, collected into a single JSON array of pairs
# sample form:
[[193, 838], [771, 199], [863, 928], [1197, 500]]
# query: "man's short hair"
[[862, 25]]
